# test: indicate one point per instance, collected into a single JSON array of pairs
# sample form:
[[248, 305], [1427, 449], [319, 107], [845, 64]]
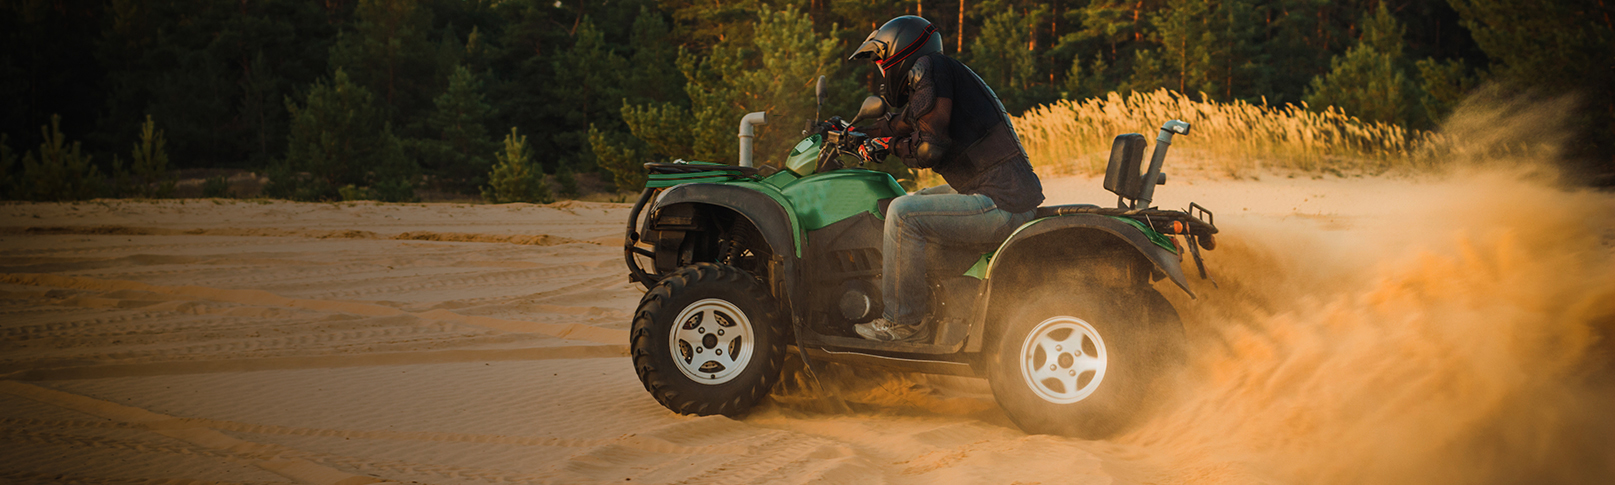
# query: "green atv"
[[1062, 317]]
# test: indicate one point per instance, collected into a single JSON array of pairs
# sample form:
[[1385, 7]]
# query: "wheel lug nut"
[[697, 350], [701, 330], [718, 351], [720, 331], [1051, 366], [1073, 372], [1057, 348]]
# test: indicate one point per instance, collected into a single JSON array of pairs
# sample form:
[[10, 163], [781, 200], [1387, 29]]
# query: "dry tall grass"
[[1234, 138]]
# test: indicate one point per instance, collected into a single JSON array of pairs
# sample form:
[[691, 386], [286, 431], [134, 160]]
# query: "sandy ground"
[[223, 341]]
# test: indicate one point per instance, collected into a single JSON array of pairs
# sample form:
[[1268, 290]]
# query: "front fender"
[[768, 212]]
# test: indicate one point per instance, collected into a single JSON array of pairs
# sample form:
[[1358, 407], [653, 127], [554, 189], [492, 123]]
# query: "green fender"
[[1127, 231], [762, 204]]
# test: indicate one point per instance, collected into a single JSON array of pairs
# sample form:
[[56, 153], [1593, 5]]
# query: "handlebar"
[[839, 139]]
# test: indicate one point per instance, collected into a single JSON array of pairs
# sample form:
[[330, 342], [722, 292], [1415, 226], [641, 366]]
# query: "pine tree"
[[1183, 61], [622, 155], [458, 146], [1443, 86], [774, 72], [263, 116], [150, 167], [654, 77], [340, 137], [587, 89], [1115, 23], [516, 178], [1300, 38], [1559, 46], [1206, 46], [1083, 83], [1000, 56], [212, 74], [1554, 49], [389, 53], [60, 171], [1368, 81]]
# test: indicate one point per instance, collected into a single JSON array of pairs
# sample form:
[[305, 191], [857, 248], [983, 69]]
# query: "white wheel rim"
[[1063, 360], [711, 341]]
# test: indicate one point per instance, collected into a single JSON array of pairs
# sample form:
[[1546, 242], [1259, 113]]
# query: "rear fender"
[[1091, 244]]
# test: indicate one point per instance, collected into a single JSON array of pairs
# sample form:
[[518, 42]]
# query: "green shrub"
[[394, 190], [59, 172], [515, 178], [285, 183], [354, 192], [7, 161], [568, 181], [150, 168], [217, 187], [620, 154]]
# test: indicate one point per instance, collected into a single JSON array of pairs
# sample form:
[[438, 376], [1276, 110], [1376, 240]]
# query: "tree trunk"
[[1138, 10], [1031, 31], [960, 48], [576, 21], [1183, 63]]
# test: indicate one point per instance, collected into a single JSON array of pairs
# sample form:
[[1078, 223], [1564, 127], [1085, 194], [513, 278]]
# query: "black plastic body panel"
[[839, 257], [1076, 227], [1167, 261], [765, 214]]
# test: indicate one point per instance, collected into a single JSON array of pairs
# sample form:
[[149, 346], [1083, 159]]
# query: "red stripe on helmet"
[[888, 62]]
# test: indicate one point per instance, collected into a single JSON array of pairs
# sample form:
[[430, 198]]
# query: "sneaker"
[[884, 330]]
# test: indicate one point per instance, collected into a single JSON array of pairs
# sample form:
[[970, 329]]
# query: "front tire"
[[1083, 365], [708, 339]]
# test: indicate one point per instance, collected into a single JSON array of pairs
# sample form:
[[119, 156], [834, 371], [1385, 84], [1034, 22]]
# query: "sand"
[[1363, 330]]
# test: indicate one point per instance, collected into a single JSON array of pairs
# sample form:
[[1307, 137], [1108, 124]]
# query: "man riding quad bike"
[[950, 121], [1054, 305]]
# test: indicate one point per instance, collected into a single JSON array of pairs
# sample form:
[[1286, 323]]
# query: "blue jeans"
[[933, 216]]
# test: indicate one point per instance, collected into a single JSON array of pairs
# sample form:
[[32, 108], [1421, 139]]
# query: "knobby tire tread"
[[644, 343]]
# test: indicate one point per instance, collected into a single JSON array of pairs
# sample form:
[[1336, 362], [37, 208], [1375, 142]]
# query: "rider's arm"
[[926, 117], [925, 146]]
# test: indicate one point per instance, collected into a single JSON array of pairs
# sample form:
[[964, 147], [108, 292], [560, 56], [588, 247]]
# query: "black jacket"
[[954, 124]]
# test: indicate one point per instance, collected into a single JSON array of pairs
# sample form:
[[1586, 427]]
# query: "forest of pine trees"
[[380, 98]]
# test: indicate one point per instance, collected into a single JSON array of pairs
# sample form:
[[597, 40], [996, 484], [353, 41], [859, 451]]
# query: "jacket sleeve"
[[926, 116]]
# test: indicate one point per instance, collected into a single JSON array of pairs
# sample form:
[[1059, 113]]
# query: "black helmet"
[[894, 47]]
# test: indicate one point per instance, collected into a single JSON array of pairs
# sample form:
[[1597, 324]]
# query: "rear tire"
[[1083, 365], [708, 339]]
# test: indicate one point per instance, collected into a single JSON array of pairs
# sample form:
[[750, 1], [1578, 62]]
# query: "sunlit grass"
[[1235, 138]]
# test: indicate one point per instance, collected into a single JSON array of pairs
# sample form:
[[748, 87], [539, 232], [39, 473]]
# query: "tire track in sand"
[[318, 362], [273, 458], [521, 239], [573, 331], [23, 478]]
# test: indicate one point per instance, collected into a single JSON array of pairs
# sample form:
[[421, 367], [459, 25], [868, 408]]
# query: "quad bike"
[[1062, 318]]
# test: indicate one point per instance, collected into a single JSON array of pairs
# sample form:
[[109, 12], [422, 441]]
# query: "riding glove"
[[875, 149]]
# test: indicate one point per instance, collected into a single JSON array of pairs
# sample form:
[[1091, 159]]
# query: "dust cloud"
[[1464, 340]]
